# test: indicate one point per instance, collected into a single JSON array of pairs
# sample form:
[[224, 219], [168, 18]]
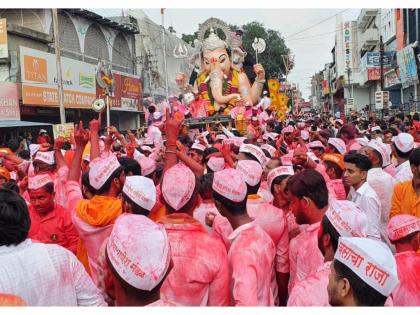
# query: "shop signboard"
[[9, 101], [39, 80], [127, 92], [4, 52], [408, 67], [63, 130]]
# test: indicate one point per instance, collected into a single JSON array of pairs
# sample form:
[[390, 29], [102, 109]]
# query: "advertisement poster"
[[4, 52], [408, 67], [127, 92], [9, 101], [63, 130], [39, 80]]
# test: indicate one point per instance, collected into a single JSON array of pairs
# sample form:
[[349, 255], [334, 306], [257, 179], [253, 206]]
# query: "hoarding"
[[39, 80], [4, 50], [9, 101], [127, 92], [408, 67]]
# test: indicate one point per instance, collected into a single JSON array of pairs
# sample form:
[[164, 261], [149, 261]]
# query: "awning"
[[20, 123]]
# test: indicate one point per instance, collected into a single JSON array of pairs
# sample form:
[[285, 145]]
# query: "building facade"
[[86, 38]]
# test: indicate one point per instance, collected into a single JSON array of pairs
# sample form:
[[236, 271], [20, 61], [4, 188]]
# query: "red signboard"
[[374, 74], [127, 92], [9, 101]]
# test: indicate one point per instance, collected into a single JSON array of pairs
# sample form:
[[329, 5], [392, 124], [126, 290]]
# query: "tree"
[[189, 39], [275, 47]]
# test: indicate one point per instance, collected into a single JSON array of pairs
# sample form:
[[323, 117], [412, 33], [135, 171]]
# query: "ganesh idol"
[[221, 80]]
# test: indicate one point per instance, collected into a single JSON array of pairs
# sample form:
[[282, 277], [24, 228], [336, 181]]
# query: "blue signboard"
[[371, 59]]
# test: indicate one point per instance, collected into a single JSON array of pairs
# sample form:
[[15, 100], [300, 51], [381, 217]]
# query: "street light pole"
[[381, 57], [164, 54], [58, 65]]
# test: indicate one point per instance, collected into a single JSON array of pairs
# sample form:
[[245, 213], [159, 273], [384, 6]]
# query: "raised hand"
[[58, 143], [95, 124], [172, 128], [81, 136], [259, 71]]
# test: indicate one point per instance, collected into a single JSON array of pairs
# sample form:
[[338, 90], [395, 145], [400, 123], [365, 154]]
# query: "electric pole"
[[58, 64], [381, 60], [162, 12]]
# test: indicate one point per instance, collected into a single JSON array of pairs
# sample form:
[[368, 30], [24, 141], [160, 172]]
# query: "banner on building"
[[408, 67], [9, 101], [372, 59], [128, 93], [325, 88], [39, 80], [4, 50], [373, 74], [391, 79], [63, 130], [347, 45]]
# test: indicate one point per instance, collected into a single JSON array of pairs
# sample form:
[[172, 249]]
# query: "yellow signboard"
[[63, 130], [4, 53]]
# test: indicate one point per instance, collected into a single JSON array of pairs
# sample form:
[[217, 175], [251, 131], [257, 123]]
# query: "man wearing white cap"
[[139, 256], [272, 220], [336, 145], [196, 152], [50, 223], [265, 101], [139, 195], [361, 193], [402, 146], [43, 137], [308, 196], [317, 148], [154, 135], [205, 280], [198, 106], [404, 233], [287, 139], [343, 218], [53, 163], [251, 254], [254, 130], [381, 182], [277, 185], [207, 202], [363, 273], [94, 218], [41, 274], [252, 152]]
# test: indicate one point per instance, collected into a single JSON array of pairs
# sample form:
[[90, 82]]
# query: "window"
[[96, 46]]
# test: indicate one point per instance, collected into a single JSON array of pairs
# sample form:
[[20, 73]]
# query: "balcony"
[[365, 18], [369, 39]]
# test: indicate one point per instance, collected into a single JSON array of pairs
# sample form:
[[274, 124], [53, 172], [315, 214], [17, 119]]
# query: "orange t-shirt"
[[405, 200]]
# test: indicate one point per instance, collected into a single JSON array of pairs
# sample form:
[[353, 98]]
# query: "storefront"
[[126, 102], [11, 125]]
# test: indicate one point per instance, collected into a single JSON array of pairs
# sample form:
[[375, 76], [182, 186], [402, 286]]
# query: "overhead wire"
[[314, 25]]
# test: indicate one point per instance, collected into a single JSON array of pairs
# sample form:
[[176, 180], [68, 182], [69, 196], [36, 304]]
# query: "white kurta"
[[46, 275]]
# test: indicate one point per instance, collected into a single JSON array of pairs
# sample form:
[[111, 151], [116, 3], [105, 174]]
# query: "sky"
[[309, 33]]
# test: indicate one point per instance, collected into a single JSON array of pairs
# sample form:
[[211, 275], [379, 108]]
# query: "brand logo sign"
[[35, 69], [40, 81], [347, 44], [86, 80]]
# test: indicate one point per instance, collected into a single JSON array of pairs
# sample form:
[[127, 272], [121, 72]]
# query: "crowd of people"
[[311, 211]]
